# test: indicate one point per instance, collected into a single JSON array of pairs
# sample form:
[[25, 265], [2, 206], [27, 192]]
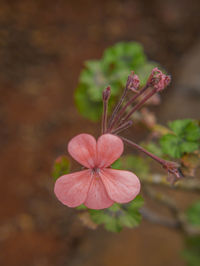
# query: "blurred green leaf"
[[88, 108], [135, 204], [122, 55], [153, 148], [186, 128], [170, 145], [81, 207], [193, 214], [119, 215], [184, 140], [133, 163], [188, 146], [107, 218], [192, 251], [61, 167], [112, 69], [94, 79]]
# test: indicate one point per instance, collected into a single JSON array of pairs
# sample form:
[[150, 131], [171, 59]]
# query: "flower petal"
[[97, 197], [72, 189], [121, 186], [109, 149], [83, 149]]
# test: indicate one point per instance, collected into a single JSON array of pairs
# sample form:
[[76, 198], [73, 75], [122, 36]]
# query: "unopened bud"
[[133, 82], [174, 172], [167, 80], [158, 80], [106, 94]]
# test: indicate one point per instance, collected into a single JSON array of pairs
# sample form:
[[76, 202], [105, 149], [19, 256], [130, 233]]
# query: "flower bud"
[[158, 80], [133, 82], [106, 94], [174, 172]]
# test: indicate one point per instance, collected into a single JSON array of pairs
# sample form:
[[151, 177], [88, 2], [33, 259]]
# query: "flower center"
[[95, 170]]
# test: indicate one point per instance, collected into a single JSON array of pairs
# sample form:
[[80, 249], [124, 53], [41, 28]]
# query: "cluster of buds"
[[156, 82], [120, 118]]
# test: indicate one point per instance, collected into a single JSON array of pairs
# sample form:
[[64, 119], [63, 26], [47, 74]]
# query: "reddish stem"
[[122, 127], [137, 106], [105, 97], [117, 117], [118, 106], [133, 144], [104, 117]]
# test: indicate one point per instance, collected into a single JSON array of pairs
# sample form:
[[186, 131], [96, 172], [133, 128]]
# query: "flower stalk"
[[132, 83], [122, 111], [105, 97], [138, 105], [171, 167], [123, 127]]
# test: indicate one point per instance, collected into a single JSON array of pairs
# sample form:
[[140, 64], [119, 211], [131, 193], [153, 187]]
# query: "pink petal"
[[109, 149], [122, 186], [72, 189], [83, 149], [97, 196]]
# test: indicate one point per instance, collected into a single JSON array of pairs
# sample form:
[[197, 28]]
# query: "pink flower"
[[98, 186]]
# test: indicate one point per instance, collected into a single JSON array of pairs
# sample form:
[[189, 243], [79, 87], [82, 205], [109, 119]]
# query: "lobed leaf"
[[193, 214], [112, 69], [119, 216], [185, 138]]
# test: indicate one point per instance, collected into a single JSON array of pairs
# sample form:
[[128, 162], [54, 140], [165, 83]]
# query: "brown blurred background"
[[43, 45]]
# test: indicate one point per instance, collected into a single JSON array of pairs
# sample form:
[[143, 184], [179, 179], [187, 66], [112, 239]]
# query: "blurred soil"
[[43, 45]]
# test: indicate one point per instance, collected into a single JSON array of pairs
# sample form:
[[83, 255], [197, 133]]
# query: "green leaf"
[[170, 145], [119, 215], [112, 225], [133, 163], [153, 148], [192, 251], [112, 69], [122, 55], [94, 79], [186, 128], [184, 140], [61, 167], [188, 146], [81, 207], [88, 108], [105, 217], [135, 204], [193, 214], [130, 220]]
